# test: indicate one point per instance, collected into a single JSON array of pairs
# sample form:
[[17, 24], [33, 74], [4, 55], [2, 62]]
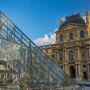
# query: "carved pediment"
[[69, 26]]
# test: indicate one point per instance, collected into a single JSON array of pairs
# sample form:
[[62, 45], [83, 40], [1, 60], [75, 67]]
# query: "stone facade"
[[71, 51]]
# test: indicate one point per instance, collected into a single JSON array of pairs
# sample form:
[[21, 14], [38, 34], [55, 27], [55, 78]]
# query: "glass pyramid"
[[39, 71]]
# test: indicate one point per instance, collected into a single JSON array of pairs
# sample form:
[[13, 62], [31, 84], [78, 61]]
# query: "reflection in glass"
[[12, 62]]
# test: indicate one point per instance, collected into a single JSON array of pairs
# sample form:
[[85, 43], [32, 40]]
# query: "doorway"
[[72, 72], [85, 76]]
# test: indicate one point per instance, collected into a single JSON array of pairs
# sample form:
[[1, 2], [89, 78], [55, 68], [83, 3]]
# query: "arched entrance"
[[85, 75], [72, 72]]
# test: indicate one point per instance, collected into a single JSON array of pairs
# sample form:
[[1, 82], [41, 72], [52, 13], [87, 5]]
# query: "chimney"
[[87, 18], [60, 22]]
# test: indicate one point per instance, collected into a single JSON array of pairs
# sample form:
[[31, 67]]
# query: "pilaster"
[[66, 55], [79, 54], [66, 67], [89, 53], [88, 63], [78, 70]]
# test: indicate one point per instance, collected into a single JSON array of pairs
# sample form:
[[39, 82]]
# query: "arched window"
[[72, 72], [71, 36], [71, 55], [81, 34], [85, 75], [61, 37]]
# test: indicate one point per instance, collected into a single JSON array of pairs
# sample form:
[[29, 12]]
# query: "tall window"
[[61, 37], [71, 36], [81, 34], [83, 52], [71, 55], [61, 56]]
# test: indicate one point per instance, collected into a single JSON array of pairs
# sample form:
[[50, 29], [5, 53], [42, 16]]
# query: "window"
[[83, 52], [71, 55], [81, 34], [61, 56], [71, 36], [83, 44], [61, 47], [61, 37]]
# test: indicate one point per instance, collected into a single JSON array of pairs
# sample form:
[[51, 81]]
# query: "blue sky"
[[38, 18]]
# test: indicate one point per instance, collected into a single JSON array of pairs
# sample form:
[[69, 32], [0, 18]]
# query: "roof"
[[77, 19]]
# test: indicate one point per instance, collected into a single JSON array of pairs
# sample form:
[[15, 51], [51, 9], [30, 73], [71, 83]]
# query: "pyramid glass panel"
[[12, 64], [37, 70]]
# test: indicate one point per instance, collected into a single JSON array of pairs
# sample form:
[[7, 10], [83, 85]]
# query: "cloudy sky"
[[39, 19]]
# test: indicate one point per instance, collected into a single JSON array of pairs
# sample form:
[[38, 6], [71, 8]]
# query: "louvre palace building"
[[71, 50]]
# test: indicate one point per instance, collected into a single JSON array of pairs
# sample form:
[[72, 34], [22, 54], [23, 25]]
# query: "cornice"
[[62, 29]]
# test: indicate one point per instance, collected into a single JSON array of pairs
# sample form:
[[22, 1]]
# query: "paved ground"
[[61, 88], [86, 88]]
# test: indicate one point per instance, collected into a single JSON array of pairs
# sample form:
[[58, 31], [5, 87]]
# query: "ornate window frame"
[[82, 34], [71, 36], [61, 37]]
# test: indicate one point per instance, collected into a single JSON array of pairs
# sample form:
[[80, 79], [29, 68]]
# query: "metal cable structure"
[[41, 71]]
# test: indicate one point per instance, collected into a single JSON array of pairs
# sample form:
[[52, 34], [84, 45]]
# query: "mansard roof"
[[77, 19]]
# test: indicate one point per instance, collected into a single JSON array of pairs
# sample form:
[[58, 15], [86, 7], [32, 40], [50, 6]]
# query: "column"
[[78, 72], [89, 53], [76, 54], [79, 54], [63, 54], [67, 70], [89, 72], [66, 55]]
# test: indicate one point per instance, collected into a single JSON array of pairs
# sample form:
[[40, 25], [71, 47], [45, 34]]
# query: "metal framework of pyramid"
[[41, 71]]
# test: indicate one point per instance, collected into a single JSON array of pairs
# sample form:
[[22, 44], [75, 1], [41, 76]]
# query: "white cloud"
[[55, 29], [49, 38], [46, 40], [84, 17]]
